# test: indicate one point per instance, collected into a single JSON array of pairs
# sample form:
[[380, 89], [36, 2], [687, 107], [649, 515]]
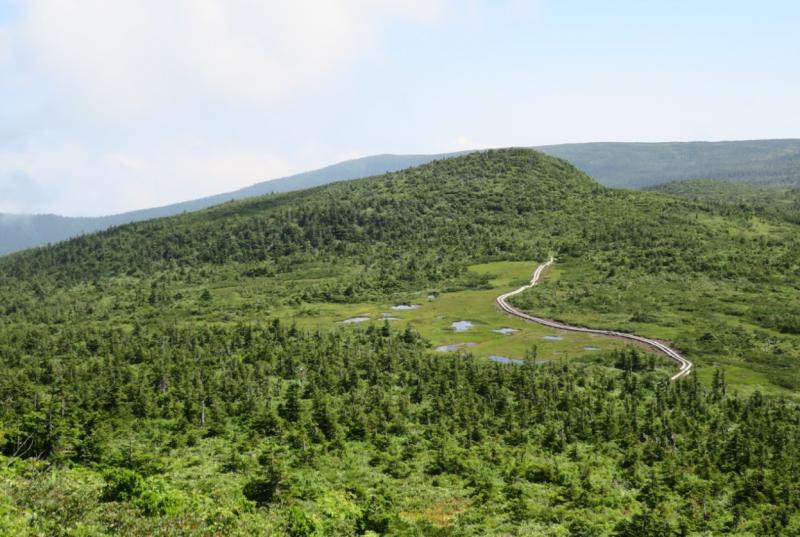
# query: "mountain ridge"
[[21, 231], [615, 164]]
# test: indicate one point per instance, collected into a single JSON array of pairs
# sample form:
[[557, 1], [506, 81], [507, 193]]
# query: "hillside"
[[715, 190], [625, 165], [639, 165], [193, 375], [18, 232], [422, 228]]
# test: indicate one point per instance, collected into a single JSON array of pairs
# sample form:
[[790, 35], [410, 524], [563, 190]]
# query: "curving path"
[[502, 301]]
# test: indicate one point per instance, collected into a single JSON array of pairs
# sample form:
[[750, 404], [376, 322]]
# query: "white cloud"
[[349, 155], [119, 182], [525, 9], [5, 44], [230, 170], [148, 56], [124, 104], [20, 192], [461, 143]]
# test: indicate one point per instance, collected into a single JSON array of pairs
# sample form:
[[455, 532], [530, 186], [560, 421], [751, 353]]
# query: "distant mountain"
[[623, 165], [18, 232], [720, 191], [776, 201], [639, 165]]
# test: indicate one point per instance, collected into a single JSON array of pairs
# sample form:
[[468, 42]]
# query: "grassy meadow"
[[434, 317]]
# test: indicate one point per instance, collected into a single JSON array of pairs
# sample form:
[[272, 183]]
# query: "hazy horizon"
[[133, 104], [6, 216]]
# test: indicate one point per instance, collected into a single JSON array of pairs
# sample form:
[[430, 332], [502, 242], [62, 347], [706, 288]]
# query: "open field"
[[434, 317]]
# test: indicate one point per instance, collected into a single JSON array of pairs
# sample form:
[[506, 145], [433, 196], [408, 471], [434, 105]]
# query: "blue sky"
[[113, 106]]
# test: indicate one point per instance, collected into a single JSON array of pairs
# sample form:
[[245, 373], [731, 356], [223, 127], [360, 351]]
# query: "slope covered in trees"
[[639, 165], [18, 232], [263, 430], [502, 204], [762, 199], [626, 165], [147, 389]]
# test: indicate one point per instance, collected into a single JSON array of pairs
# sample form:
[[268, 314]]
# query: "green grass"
[[96, 374], [672, 314], [434, 317], [711, 322]]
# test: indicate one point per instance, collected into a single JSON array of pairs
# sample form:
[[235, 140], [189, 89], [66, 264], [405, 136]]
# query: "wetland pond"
[[505, 359], [461, 326], [453, 347], [351, 320], [505, 331]]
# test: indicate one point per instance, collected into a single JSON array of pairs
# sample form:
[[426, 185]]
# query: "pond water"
[[405, 307], [553, 338], [387, 317], [461, 326], [505, 331], [453, 347], [590, 348], [351, 320], [505, 359]]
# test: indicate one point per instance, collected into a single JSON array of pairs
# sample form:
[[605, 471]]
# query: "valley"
[[434, 317]]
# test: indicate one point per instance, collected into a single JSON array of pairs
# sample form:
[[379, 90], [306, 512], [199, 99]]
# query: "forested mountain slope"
[[148, 387], [638, 165], [784, 200], [18, 232], [451, 209], [423, 227], [511, 203], [628, 165]]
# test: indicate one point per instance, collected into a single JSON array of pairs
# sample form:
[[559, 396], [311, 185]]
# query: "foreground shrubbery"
[[200, 431], [141, 392]]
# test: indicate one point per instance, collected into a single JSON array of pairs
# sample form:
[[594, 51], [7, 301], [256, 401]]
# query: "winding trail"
[[502, 301]]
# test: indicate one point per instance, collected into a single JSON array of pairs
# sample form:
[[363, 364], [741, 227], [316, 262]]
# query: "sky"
[[110, 106]]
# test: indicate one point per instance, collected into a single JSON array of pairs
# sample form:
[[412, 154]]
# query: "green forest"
[[775, 201], [169, 377]]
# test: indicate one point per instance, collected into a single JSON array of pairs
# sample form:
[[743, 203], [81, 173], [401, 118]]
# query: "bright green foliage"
[[146, 390], [122, 485], [422, 439], [760, 200], [637, 165]]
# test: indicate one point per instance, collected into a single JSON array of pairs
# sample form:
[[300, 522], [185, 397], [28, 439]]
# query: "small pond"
[[351, 320], [553, 338], [505, 331], [505, 359], [405, 307], [590, 348], [453, 347], [461, 326]]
